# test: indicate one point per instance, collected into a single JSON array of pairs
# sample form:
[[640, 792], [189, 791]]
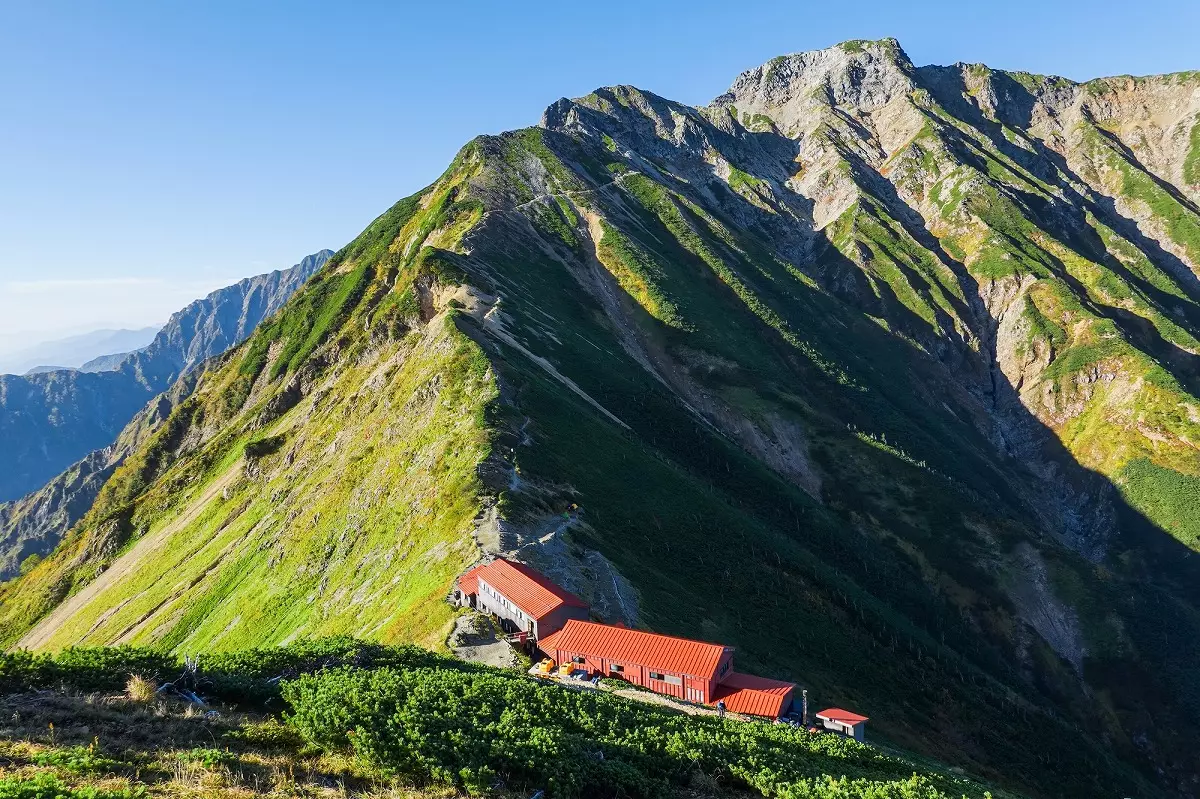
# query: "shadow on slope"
[[896, 592]]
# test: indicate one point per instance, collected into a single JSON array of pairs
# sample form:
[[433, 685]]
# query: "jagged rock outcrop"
[[221, 320]]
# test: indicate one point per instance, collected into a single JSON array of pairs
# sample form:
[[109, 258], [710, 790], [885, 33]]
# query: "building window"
[[724, 668], [657, 675], [673, 680], [617, 668], [579, 659]]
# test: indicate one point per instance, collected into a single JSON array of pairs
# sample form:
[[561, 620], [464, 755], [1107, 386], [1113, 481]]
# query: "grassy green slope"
[[322, 478], [355, 521]]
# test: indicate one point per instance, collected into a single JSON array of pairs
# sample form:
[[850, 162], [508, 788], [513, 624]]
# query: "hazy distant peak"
[[73, 351]]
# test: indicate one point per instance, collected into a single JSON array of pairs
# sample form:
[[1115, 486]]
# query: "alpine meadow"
[[886, 376]]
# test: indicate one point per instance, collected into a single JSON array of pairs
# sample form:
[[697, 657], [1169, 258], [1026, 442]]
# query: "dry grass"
[[140, 689]]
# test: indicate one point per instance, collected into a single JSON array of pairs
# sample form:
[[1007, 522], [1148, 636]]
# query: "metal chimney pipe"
[[804, 706]]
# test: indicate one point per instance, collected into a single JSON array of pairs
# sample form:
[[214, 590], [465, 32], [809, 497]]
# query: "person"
[[721, 708], [596, 681]]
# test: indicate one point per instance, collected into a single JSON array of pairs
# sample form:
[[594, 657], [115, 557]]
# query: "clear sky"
[[150, 152]]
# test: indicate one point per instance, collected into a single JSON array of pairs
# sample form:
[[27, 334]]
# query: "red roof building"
[[690, 670], [524, 599], [844, 721], [755, 696], [468, 584]]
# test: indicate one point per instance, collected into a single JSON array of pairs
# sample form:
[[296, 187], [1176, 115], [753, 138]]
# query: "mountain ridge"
[[890, 394], [73, 351], [78, 413]]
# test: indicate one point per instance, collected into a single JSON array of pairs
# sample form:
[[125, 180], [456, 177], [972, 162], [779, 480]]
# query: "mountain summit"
[[883, 374]]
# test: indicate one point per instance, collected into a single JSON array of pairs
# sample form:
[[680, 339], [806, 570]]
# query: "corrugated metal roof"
[[524, 587], [549, 644], [469, 582], [756, 696], [659, 652], [844, 716]]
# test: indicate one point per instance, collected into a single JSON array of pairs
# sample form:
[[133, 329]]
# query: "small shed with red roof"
[[522, 598], [754, 696], [844, 721]]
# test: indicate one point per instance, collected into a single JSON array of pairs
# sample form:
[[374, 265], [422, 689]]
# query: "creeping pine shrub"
[[475, 730], [253, 676], [249, 676], [208, 758], [84, 669], [78, 759], [47, 786]]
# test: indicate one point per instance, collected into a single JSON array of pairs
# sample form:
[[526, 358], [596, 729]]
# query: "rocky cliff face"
[[50, 420], [882, 374], [223, 319]]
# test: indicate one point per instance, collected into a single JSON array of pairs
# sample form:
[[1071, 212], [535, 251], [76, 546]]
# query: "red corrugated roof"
[[524, 587], [756, 696], [549, 644], [844, 716], [659, 652], [469, 582]]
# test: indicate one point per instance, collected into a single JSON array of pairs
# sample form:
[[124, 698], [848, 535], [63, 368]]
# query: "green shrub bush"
[[253, 676], [82, 669], [432, 719], [78, 760], [249, 676], [47, 786], [208, 758], [480, 730]]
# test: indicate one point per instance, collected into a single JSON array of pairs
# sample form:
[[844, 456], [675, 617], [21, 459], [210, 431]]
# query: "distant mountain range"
[[50, 420], [74, 352]]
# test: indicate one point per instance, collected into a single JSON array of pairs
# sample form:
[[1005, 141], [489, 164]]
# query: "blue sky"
[[150, 152]]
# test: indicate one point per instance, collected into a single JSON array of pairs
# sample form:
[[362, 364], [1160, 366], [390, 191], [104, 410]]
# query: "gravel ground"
[[475, 640]]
